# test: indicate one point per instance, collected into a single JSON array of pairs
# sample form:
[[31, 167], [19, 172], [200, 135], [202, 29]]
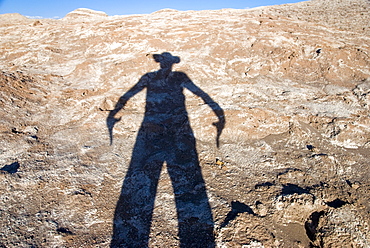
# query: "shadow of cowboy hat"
[[166, 57]]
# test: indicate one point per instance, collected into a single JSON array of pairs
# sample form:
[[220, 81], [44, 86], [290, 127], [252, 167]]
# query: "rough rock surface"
[[292, 166]]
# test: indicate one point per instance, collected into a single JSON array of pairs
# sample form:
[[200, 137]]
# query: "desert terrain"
[[292, 165]]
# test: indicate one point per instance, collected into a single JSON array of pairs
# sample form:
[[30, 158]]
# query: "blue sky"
[[59, 8]]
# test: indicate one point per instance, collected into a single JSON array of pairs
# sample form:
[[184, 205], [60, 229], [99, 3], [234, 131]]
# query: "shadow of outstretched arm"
[[111, 119], [219, 112]]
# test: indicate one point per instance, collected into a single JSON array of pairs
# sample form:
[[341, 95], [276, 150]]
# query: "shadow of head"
[[166, 59]]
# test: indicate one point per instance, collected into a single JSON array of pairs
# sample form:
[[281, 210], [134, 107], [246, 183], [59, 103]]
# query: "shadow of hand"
[[220, 126], [111, 121]]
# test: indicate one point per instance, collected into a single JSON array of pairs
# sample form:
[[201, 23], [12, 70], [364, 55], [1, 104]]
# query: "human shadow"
[[165, 135]]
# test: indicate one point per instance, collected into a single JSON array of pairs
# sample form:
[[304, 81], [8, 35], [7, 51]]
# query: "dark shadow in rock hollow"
[[236, 208], [165, 135], [289, 189], [11, 168]]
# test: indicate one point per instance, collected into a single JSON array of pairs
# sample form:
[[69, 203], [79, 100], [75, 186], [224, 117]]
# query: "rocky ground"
[[292, 166]]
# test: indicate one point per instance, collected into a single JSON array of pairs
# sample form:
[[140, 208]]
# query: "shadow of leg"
[[133, 214], [193, 210]]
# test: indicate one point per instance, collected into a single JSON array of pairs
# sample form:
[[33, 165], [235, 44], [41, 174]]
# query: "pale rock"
[[83, 14]]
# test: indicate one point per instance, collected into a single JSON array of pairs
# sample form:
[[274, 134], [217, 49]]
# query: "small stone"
[[356, 185], [107, 105]]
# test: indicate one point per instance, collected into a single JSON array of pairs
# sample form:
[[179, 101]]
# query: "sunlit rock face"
[[291, 168]]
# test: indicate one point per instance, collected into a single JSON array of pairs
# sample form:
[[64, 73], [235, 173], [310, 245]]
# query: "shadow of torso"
[[165, 101]]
